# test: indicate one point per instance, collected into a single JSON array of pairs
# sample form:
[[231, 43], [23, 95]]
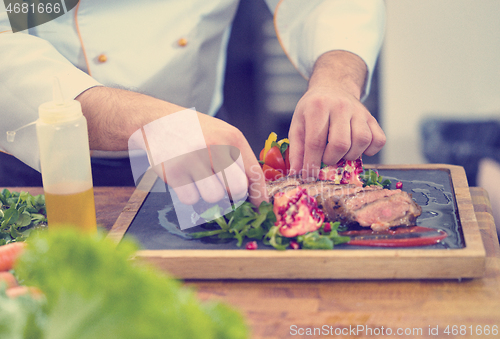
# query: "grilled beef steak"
[[282, 184], [370, 206], [375, 208]]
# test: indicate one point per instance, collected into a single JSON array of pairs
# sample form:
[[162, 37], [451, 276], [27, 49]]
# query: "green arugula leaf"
[[198, 235], [274, 143], [212, 213], [249, 222], [20, 213], [372, 177], [315, 241], [284, 146], [274, 239]]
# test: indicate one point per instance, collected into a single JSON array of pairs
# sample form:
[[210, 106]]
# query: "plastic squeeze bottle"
[[65, 163]]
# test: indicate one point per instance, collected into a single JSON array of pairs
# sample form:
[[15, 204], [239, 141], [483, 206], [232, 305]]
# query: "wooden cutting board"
[[193, 259]]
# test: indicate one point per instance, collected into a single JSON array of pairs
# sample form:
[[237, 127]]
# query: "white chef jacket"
[[172, 50]]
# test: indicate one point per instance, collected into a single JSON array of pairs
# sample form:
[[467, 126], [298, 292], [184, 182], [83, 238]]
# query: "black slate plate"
[[155, 225]]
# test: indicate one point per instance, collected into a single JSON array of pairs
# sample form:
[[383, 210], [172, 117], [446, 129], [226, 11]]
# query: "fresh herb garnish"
[[246, 222], [372, 177], [283, 148], [20, 214]]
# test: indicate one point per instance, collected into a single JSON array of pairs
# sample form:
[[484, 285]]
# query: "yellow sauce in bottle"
[[63, 142], [75, 210]]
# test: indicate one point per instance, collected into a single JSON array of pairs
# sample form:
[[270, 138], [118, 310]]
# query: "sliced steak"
[[320, 188], [366, 196], [325, 188], [282, 184], [378, 209], [331, 204], [397, 209], [371, 206]]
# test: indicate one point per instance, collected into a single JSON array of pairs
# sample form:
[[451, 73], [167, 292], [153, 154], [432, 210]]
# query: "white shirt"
[[172, 50]]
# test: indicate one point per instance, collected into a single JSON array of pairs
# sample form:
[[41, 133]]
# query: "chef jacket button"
[[102, 58], [182, 42]]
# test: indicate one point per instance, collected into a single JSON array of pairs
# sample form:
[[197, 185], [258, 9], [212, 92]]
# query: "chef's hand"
[[330, 122], [113, 115], [247, 178]]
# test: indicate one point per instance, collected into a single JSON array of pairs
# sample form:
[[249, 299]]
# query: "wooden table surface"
[[379, 308]]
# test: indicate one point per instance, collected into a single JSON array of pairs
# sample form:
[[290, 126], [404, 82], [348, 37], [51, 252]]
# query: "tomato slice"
[[261, 156], [271, 173], [275, 160]]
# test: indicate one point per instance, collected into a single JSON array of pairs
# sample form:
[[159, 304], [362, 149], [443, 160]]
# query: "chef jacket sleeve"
[[27, 67], [307, 29]]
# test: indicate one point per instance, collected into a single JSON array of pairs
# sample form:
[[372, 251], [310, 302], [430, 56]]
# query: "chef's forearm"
[[114, 114], [340, 69]]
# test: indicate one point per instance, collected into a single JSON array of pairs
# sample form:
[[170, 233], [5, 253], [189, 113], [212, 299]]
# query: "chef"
[[130, 63]]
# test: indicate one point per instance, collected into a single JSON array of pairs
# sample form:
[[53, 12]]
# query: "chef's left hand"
[[330, 122]]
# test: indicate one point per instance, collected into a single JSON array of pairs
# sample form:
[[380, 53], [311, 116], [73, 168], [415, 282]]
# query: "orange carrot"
[[8, 278], [17, 291], [9, 254]]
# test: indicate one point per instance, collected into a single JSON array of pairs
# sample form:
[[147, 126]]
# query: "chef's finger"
[[256, 181], [187, 194], [193, 171], [236, 181], [361, 137], [257, 192], [211, 189], [339, 138], [227, 163], [296, 136], [175, 174], [378, 137], [316, 138]]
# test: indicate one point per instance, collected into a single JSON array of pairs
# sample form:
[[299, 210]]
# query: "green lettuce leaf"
[[93, 290]]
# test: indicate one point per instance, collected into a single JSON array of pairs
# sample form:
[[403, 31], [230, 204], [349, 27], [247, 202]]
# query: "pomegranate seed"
[[294, 245], [343, 181], [252, 245], [327, 227], [341, 163], [399, 185]]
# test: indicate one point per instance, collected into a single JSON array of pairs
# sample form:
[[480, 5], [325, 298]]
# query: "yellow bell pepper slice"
[[267, 146]]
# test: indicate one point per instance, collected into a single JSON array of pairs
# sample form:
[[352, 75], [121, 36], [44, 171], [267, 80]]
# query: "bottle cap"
[[59, 110]]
